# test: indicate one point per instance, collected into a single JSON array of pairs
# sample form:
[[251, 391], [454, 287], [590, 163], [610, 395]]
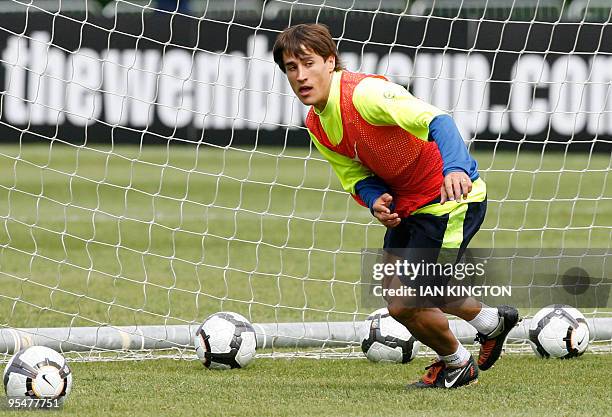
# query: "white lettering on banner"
[[261, 102], [369, 62], [567, 96], [443, 89], [473, 98], [37, 87], [115, 85], [222, 79], [15, 60], [206, 72], [529, 114], [83, 101], [142, 85], [234, 90], [130, 86], [397, 67], [422, 82], [499, 119], [229, 92], [175, 99], [350, 60], [55, 86], [46, 87], [600, 96]]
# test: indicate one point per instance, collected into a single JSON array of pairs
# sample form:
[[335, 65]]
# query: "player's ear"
[[330, 62]]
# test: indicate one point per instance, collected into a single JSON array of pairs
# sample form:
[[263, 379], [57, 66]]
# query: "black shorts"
[[422, 237]]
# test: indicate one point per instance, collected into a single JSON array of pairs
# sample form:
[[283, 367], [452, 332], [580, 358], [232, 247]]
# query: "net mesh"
[[158, 170]]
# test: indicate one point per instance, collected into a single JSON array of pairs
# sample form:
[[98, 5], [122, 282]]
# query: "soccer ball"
[[386, 339], [225, 340], [558, 331], [38, 372]]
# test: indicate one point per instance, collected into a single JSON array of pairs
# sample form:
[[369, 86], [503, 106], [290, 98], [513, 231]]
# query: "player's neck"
[[320, 106]]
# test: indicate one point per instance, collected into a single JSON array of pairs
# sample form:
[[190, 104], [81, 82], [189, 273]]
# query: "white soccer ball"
[[225, 340], [38, 372], [558, 331], [386, 339]]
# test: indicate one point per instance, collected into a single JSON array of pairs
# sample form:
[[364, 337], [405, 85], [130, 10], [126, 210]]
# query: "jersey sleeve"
[[453, 151], [348, 171], [381, 102]]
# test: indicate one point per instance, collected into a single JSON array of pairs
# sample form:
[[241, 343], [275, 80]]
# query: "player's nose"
[[301, 74]]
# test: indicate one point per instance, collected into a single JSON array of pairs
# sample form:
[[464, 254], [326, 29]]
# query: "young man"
[[405, 160]]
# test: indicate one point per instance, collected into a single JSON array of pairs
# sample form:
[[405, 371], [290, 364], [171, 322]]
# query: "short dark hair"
[[314, 36]]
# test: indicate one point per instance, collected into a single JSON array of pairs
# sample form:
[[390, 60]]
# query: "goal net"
[[155, 168]]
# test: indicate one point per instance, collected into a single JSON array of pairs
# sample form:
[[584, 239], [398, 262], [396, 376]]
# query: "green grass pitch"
[[169, 235], [516, 386]]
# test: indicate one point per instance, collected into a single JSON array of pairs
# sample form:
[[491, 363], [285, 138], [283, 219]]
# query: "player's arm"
[[460, 169], [377, 196], [367, 189], [381, 102]]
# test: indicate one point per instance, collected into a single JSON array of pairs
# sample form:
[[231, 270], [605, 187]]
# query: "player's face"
[[310, 77]]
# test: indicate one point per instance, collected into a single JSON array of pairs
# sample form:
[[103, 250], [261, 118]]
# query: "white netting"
[[156, 169]]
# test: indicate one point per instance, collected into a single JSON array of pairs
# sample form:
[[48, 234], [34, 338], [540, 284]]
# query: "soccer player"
[[405, 160]]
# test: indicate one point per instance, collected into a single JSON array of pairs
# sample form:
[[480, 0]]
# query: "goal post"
[[155, 169], [309, 335]]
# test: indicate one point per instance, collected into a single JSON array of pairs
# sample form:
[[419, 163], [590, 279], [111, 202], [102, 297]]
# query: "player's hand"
[[382, 211], [455, 186]]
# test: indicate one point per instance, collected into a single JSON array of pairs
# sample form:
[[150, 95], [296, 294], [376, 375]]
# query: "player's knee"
[[401, 312]]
